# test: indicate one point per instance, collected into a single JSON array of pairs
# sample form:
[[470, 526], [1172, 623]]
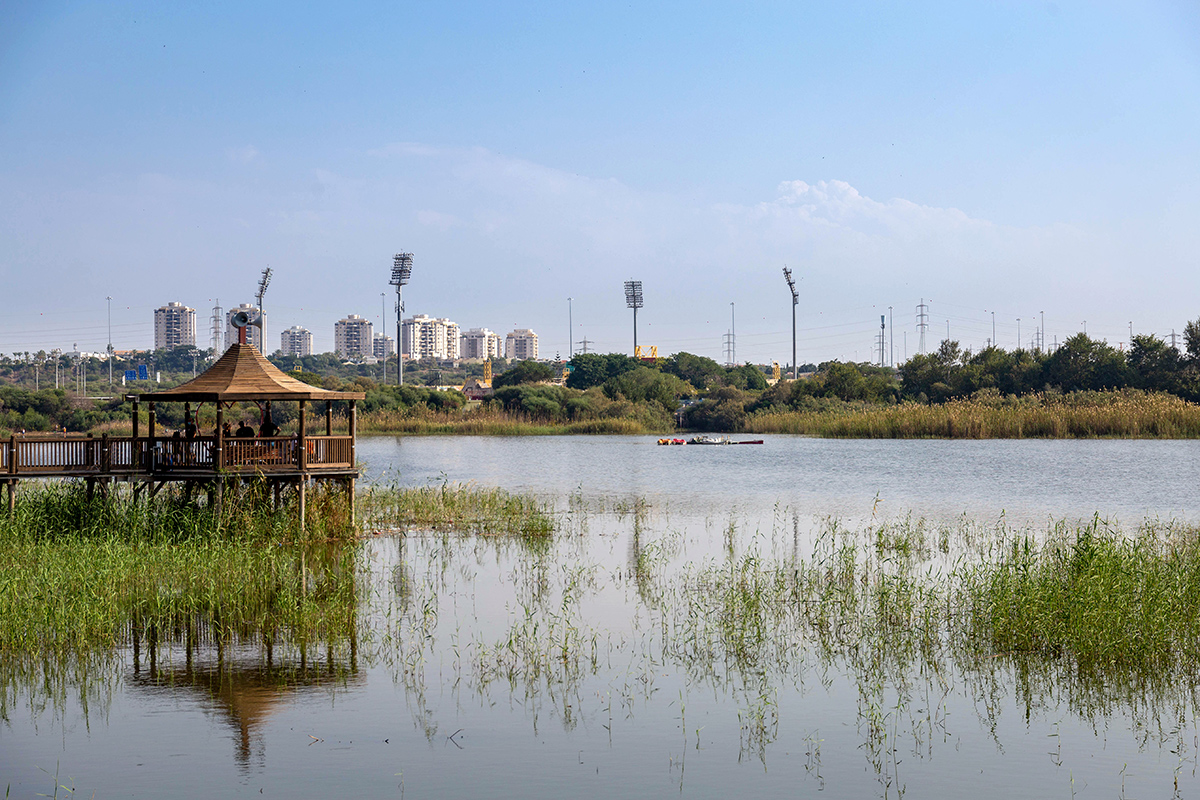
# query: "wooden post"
[[219, 438], [105, 454], [353, 429], [353, 463], [300, 490], [329, 418], [218, 490], [150, 420], [302, 464], [12, 470], [136, 455], [301, 445]]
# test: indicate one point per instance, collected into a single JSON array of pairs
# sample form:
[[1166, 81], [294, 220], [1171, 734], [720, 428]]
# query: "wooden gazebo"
[[153, 460]]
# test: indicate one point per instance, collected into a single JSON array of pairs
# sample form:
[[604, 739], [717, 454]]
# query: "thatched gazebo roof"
[[242, 374]]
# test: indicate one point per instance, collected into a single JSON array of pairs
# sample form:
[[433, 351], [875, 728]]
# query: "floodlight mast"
[[787, 274], [402, 264], [263, 282], [633, 299]]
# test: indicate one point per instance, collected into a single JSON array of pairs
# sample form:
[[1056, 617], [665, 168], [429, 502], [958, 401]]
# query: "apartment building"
[[427, 337], [479, 343], [521, 345], [353, 338], [296, 341], [383, 347], [174, 325]]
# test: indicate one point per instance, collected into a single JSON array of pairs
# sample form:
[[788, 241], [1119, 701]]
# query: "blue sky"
[[1008, 157]]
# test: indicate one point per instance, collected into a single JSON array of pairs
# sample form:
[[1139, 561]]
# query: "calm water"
[[494, 670]]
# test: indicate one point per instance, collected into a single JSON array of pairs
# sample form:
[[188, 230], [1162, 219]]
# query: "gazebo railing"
[[67, 455]]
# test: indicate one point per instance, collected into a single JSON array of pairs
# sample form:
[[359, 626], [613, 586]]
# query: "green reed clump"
[[77, 576], [460, 507], [1093, 595]]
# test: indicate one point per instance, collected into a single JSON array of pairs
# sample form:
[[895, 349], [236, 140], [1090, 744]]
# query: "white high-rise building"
[[253, 332], [521, 345], [174, 325], [426, 337], [352, 338], [383, 347], [296, 341], [479, 343]]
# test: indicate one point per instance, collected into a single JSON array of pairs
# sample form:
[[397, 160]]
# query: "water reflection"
[[241, 686]]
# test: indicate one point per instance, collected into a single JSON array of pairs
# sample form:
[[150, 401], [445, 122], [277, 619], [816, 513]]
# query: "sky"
[[994, 160]]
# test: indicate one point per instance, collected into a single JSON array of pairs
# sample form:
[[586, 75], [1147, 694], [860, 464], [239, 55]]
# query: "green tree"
[[1082, 364], [643, 385], [524, 372], [1155, 365], [593, 369]]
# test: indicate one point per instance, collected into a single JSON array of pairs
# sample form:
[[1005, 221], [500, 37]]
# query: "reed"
[[464, 508], [1125, 414], [81, 577]]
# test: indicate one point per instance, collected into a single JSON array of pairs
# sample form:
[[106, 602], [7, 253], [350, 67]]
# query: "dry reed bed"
[[1122, 415]]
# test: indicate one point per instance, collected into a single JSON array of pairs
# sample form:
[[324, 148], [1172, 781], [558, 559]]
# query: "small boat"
[[671, 441], [710, 440]]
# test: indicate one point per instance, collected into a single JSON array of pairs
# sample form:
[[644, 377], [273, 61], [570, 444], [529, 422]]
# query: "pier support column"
[[218, 496], [12, 496], [300, 491]]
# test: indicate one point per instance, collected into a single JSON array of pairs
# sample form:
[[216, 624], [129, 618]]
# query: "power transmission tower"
[[1173, 344], [922, 324], [728, 343], [585, 343]]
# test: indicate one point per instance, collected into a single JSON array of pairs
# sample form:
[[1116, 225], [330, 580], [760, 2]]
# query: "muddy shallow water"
[[626, 658]]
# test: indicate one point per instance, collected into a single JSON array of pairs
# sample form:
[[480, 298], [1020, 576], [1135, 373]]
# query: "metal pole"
[[110, 347], [732, 335], [635, 330], [383, 330], [795, 369], [399, 346], [891, 339], [570, 329]]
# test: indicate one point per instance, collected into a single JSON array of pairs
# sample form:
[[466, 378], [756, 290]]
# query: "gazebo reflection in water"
[[151, 461]]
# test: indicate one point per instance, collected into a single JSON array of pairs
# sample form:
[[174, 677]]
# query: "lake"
[[604, 663]]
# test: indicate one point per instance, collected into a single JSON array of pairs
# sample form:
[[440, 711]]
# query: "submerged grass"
[[459, 507], [81, 577], [1125, 414]]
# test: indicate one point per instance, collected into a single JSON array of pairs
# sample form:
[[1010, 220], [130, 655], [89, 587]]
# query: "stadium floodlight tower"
[[787, 274], [402, 265], [263, 283], [633, 299]]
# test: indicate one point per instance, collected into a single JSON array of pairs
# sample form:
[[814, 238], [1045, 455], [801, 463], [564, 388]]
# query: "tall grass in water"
[[1125, 414], [80, 577], [1101, 599], [465, 508]]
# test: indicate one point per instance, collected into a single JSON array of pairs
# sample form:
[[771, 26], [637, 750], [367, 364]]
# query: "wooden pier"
[[152, 461]]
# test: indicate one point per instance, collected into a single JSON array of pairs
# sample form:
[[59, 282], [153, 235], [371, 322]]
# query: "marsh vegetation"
[[610, 615]]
